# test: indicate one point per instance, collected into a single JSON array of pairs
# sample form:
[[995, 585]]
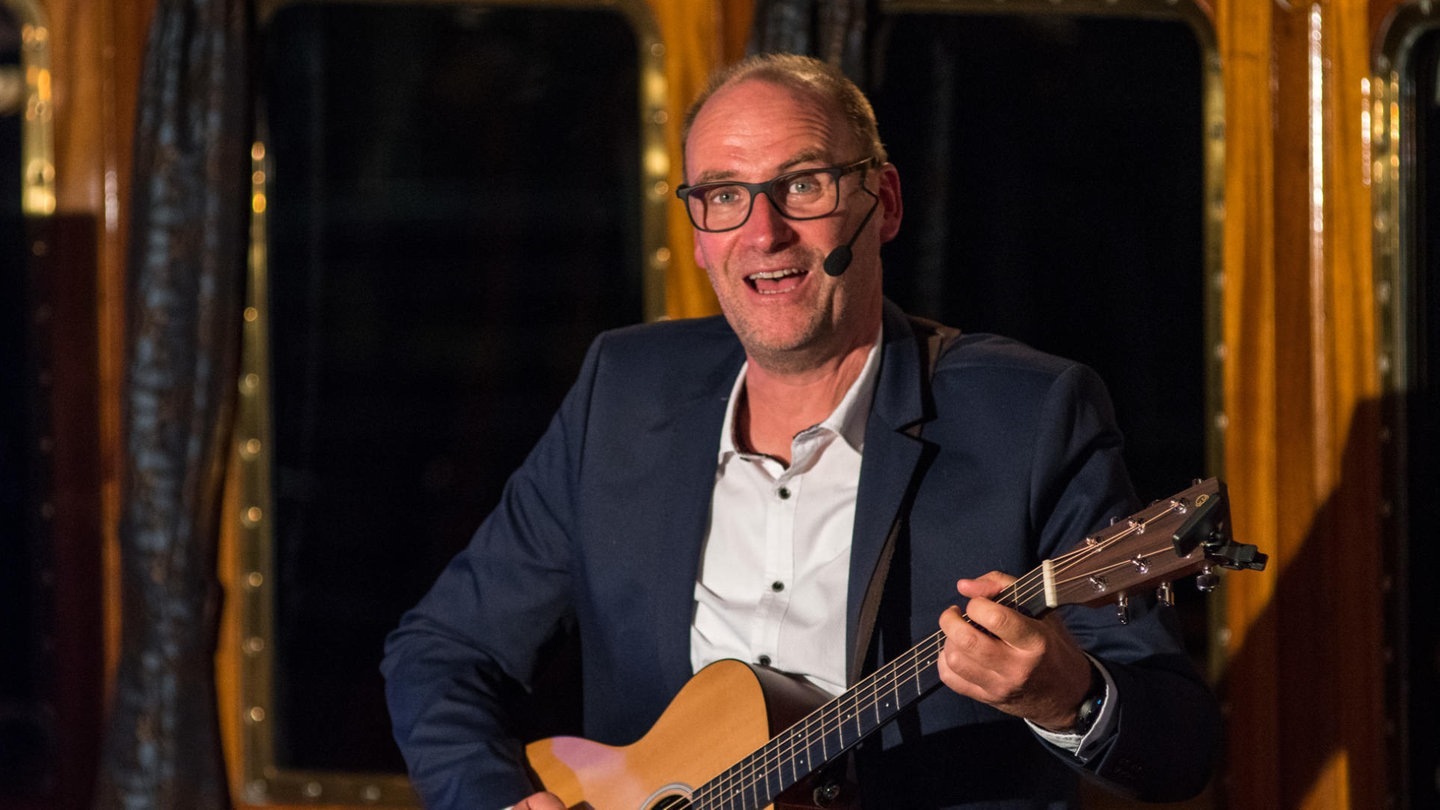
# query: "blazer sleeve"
[[1168, 728], [458, 659]]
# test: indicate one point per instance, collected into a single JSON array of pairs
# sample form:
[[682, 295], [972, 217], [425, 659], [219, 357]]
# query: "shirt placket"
[[780, 549], [779, 568]]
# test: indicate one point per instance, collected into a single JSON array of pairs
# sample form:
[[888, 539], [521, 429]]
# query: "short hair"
[[803, 74]]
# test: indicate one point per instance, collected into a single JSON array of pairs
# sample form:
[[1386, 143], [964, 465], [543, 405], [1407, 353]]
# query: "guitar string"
[[866, 695], [1033, 583], [753, 771], [869, 694], [770, 758]]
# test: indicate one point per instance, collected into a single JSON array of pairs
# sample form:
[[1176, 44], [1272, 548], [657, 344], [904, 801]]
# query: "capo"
[[1209, 524]]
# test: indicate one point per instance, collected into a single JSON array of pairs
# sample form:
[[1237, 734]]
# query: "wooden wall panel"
[[1305, 679], [1244, 34], [98, 51]]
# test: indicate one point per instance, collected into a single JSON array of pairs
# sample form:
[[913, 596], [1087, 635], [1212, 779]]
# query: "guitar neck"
[[836, 727], [1185, 533], [825, 734]]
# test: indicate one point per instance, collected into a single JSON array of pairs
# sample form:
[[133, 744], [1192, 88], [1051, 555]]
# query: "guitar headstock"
[[1187, 533]]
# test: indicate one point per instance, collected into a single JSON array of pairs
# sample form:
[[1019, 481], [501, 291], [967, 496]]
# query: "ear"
[[699, 254], [890, 202]]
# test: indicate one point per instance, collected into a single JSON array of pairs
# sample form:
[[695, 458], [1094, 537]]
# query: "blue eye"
[[803, 185], [722, 196]]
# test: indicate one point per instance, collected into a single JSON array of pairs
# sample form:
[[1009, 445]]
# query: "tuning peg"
[[1166, 593], [1122, 608], [1207, 579]]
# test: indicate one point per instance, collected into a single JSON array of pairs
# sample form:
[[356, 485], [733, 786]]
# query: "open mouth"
[[774, 282]]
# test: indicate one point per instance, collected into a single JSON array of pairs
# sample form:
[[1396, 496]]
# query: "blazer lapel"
[[684, 494], [890, 460]]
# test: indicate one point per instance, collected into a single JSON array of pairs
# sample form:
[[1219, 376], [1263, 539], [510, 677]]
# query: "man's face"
[[767, 273]]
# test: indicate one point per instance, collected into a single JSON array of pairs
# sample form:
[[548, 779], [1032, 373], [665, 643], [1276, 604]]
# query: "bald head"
[[802, 75]]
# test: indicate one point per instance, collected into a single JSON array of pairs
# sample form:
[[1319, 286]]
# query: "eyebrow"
[[810, 156]]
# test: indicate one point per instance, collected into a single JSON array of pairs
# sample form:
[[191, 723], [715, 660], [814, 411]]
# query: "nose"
[[766, 228]]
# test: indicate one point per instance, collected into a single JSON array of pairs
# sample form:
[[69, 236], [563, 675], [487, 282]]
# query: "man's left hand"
[[1022, 666]]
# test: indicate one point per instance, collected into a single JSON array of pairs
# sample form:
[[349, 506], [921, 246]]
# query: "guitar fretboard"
[[755, 782], [1114, 559]]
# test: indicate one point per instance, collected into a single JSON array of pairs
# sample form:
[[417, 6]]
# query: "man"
[[725, 488]]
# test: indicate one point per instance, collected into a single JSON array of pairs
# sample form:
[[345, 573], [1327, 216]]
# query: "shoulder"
[[672, 355], [682, 342], [972, 354], [981, 351], [668, 336], [996, 380]]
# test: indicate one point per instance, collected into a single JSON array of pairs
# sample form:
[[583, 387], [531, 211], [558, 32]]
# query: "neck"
[[778, 404]]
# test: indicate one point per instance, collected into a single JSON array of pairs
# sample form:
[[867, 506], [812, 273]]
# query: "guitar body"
[[725, 712], [730, 711]]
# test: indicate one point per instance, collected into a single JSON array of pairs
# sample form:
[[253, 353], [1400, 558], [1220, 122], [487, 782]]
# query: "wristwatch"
[[1094, 699]]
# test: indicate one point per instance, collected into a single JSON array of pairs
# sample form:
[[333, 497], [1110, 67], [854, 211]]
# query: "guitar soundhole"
[[671, 797]]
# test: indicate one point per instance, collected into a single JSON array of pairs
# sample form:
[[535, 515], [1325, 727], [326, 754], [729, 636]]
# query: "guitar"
[[778, 729]]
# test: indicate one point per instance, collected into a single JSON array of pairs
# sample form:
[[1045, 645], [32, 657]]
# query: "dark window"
[[454, 213], [1053, 174], [26, 739]]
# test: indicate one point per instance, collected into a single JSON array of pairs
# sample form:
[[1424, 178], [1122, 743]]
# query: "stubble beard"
[[786, 347], [782, 340]]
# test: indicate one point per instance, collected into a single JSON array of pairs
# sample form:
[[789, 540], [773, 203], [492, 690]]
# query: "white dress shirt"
[[776, 560], [777, 554]]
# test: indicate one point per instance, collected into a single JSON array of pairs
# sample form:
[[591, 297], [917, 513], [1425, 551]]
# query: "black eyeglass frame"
[[836, 171]]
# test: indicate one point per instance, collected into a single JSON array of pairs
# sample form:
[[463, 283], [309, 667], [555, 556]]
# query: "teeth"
[[774, 274]]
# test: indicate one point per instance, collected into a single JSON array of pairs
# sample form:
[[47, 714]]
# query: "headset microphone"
[[839, 259]]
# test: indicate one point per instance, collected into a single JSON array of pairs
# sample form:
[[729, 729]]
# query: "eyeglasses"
[[804, 194]]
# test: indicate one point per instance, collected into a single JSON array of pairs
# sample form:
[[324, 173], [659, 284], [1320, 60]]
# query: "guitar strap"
[[932, 338]]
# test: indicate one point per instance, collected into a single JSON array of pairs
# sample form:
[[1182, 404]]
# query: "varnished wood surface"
[[98, 48], [717, 720], [1305, 676]]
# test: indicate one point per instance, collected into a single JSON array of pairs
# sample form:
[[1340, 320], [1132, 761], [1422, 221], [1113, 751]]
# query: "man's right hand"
[[540, 801]]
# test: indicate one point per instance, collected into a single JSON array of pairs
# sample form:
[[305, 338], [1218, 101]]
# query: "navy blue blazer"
[[1019, 457]]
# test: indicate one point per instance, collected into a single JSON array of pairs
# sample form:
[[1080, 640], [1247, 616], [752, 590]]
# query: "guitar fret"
[[816, 740], [834, 728], [1154, 545]]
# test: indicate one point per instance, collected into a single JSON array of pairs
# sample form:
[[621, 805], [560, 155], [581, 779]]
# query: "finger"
[[541, 801], [959, 656], [988, 586], [1002, 622], [967, 646]]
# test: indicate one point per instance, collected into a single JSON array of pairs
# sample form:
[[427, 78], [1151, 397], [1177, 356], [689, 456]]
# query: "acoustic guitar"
[[743, 737]]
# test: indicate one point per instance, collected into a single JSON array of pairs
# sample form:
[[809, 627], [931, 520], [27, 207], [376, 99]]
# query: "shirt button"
[[784, 493], [763, 661], [777, 586]]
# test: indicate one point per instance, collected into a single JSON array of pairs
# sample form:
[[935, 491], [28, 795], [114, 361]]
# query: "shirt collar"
[[847, 420]]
